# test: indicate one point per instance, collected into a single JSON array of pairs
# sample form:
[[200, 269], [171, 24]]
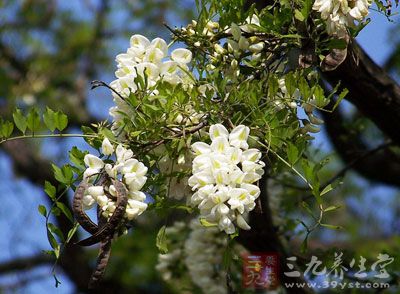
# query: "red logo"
[[260, 270]]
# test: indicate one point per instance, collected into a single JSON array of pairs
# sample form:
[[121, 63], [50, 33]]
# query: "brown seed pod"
[[101, 264], [77, 209], [109, 228]]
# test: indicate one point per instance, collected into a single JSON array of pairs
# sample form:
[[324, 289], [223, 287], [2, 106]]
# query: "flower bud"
[[232, 46], [234, 63], [256, 48], [218, 48], [243, 43], [254, 39], [236, 31]]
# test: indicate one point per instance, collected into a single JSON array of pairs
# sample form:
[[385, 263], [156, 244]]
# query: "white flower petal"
[[220, 145], [160, 44], [218, 130], [201, 148], [242, 223], [89, 172], [107, 147], [181, 55], [139, 41], [88, 202], [239, 135], [93, 162], [96, 191]]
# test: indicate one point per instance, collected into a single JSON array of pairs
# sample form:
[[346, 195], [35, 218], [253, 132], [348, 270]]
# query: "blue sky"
[[24, 227]]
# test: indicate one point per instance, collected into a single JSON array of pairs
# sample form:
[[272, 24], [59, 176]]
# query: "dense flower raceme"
[[224, 174], [204, 250], [341, 14], [129, 170], [147, 59], [200, 253], [235, 46]]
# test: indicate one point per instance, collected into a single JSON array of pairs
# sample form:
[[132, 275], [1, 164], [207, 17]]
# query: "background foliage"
[[49, 53]]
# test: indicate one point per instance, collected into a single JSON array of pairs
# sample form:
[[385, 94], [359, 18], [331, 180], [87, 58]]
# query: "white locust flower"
[[181, 55], [238, 137], [106, 147], [341, 14], [149, 60], [127, 169], [94, 165], [223, 177], [94, 162]]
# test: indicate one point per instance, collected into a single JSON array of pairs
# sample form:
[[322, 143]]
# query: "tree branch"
[[25, 263], [372, 90], [383, 166], [263, 237]]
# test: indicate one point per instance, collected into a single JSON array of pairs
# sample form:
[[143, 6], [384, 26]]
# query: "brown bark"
[[372, 90], [382, 166], [263, 237]]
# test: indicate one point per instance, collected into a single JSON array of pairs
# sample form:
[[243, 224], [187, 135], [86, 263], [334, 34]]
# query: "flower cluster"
[[236, 47], [147, 60], [168, 262], [176, 172], [127, 169], [204, 250], [284, 99], [223, 177], [341, 14], [199, 251]]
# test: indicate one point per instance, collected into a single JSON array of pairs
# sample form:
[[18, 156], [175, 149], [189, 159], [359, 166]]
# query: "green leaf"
[[236, 31], [71, 232], [337, 44], [332, 227], [55, 230], [304, 88], [290, 84], [316, 192], [53, 243], [7, 128], [340, 98], [20, 120], [273, 86], [298, 15], [49, 118], [327, 189], [186, 208], [308, 170], [307, 5], [61, 121], [307, 208], [152, 107], [319, 96], [331, 208], [65, 210], [42, 210], [292, 153], [56, 211], [50, 190], [64, 175], [76, 156], [33, 120], [161, 240], [206, 223]]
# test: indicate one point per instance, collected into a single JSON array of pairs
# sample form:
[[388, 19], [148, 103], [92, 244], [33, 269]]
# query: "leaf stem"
[[33, 136]]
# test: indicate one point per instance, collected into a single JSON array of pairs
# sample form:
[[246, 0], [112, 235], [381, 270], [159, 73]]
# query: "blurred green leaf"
[[20, 120]]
